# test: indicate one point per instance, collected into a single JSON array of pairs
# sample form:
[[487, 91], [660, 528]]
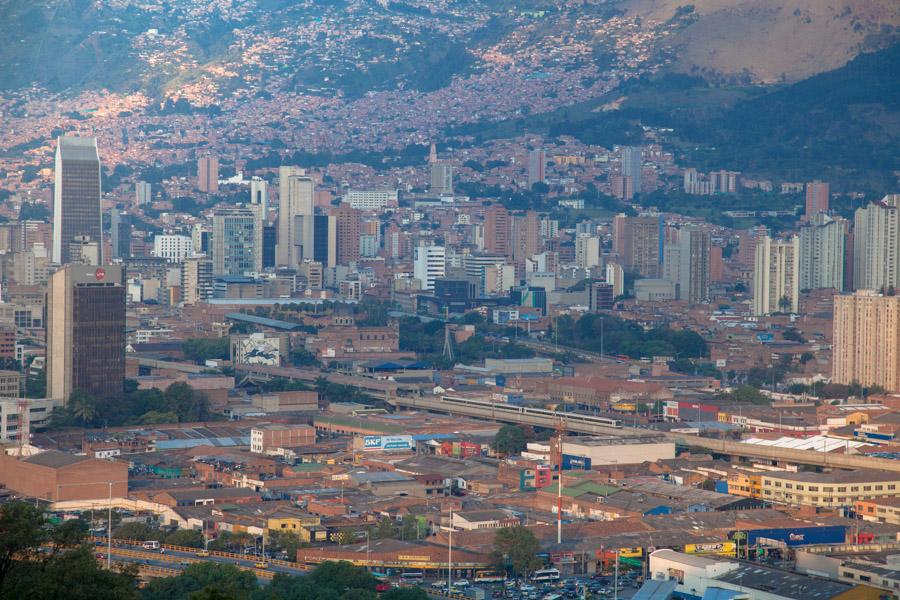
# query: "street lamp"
[[109, 511]]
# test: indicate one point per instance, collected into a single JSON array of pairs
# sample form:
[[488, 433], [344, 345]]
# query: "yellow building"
[[745, 483], [828, 490], [307, 527]]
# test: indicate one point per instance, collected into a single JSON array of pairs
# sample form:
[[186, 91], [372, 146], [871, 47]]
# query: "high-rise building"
[[497, 230], [237, 240], [587, 251], [537, 162], [817, 198], [347, 228], [876, 244], [526, 236], [259, 194], [776, 276], [441, 178], [642, 245], [866, 346], [601, 296], [615, 276], [208, 174], [268, 251], [429, 263], [174, 248], [296, 198], [632, 166], [196, 279], [143, 193], [325, 248], [86, 331], [76, 195], [822, 249], [120, 234], [686, 265]]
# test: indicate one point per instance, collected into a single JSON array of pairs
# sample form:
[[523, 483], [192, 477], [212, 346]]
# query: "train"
[[499, 408]]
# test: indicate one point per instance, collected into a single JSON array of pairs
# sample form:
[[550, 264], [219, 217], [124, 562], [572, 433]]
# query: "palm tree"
[[784, 303], [83, 407]]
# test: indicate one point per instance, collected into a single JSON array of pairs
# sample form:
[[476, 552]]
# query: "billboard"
[[721, 548], [388, 442], [571, 462], [256, 349], [800, 536]]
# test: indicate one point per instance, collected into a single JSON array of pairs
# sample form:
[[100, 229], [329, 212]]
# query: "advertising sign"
[[388, 442], [722, 548], [800, 536]]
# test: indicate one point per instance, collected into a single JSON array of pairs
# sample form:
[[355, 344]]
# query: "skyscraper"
[[325, 249], [866, 346], [120, 234], [496, 230], [686, 265], [876, 244], [822, 248], [817, 198], [587, 251], [296, 196], [537, 160], [259, 194], [143, 193], [196, 279], [441, 178], [347, 228], [632, 166], [429, 264], [76, 195], [208, 174], [86, 331], [237, 240], [642, 244], [776, 276], [526, 230]]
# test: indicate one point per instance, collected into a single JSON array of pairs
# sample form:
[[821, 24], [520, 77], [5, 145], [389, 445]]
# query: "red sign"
[[100, 273]]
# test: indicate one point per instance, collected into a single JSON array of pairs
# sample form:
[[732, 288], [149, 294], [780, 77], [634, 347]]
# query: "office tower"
[[143, 193], [537, 162], [208, 174], [296, 195], [86, 332], [259, 194], [642, 245], [526, 230], [497, 230], [776, 276], [867, 340], [84, 250], [371, 199], [196, 279], [601, 296], [747, 244], [632, 166], [268, 252], [120, 234], [587, 251], [314, 273], [441, 178], [822, 244], [876, 244], [347, 227], [236, 240], [549, 228], [173, 248], [618, 234], [615, 276], [686, 265], [200, 238], [76, 195], [325, 245], [429, 263], [817, 198]]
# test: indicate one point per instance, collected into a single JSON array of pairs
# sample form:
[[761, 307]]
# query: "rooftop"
[[785, 583]]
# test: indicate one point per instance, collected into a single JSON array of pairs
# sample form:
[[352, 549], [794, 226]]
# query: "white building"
[[587, 251], [876, 244], [371, 199], [142, 193], [259, 194], [776, 276], [430, 263], [615, 275], [174, 248], [822, 247]]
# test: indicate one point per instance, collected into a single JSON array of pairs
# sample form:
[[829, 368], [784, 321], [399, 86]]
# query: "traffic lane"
[[175, 566], [179, 555]]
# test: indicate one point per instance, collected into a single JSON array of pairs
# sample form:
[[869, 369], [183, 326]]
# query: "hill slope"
[[773, 40]]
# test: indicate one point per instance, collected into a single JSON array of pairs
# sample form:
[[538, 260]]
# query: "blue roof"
[[263, 321], [424, 437], [716, 593]]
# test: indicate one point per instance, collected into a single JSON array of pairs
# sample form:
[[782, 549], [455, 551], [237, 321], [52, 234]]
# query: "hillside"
[[769, 41]]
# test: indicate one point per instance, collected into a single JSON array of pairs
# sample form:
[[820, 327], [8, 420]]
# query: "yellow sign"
[[723, 548], [413, 558], [631, 552]]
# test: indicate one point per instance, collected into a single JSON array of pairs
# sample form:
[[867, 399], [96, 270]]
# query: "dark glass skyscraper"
[[76, 196]]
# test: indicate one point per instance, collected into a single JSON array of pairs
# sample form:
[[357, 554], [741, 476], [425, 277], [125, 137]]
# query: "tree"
[[186, 402], [517, 548], [509, 440], [190, 538], [288, 541], [200, 350], [411, 529], [206, 578], [82, 407], [409, 593], [135, 531], [385, 530], [345, 537]]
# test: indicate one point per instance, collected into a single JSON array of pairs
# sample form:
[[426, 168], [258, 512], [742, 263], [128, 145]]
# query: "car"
[[262, 565], [439, 584], [99, 555], [185, 563], [461, 583], [203, 553]]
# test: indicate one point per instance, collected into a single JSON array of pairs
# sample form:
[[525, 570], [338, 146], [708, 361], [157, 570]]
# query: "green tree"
[[409, 593], [345, 537], [412, 529], [186, 402], [200, 350], [135, 531], [190, 538], [385, 530], [510, 439], [82, 407], [517, 548], [288, 541], [204, 577]]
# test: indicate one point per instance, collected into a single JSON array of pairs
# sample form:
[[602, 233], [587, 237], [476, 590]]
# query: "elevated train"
[[552, 417]]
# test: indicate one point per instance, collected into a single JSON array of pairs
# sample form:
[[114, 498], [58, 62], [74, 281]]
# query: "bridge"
[[714, 446], [382, 389]]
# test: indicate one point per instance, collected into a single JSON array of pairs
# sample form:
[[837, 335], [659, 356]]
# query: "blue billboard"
[[571, 462], [801, 536]]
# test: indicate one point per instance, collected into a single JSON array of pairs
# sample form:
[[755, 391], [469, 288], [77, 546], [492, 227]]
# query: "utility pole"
[[450, 553], [109, 530]]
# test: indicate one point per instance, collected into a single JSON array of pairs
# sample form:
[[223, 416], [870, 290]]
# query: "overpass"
[[714, 446], [382, 389]]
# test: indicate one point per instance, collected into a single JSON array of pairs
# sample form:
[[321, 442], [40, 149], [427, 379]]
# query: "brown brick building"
[[57, 476]]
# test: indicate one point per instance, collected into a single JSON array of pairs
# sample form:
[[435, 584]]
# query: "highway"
[[723, 447]]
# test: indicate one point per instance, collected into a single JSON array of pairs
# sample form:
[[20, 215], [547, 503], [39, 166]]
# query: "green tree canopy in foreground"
[[509, 440], [516, 549]]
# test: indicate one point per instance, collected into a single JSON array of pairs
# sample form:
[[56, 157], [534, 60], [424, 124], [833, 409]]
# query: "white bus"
[[412, 577], [545, 575], [489, 577]]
